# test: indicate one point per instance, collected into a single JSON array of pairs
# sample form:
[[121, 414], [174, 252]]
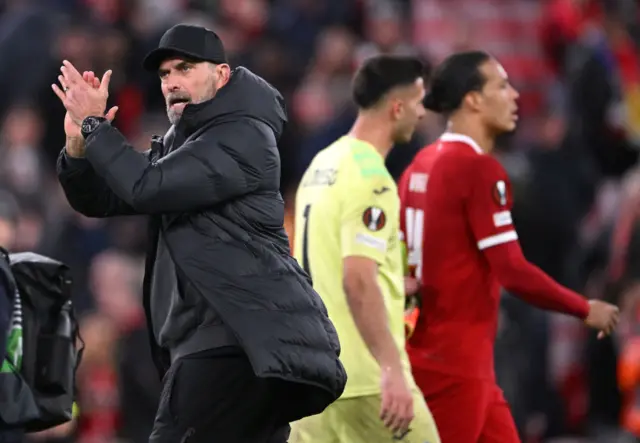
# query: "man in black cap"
[[243, 341]]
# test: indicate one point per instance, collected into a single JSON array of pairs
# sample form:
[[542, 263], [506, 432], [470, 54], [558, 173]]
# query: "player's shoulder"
[[353, 167], [331, 155], [426, 155], [365, 160], [327, 166], [415, 176], [483, 164], [366, 167], [462, 153]]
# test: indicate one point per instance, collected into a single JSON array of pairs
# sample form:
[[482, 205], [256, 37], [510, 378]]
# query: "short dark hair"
[[379, 74], [453, 79]]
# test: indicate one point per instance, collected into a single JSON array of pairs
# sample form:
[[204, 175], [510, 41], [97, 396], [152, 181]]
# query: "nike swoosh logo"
[[381, 190]]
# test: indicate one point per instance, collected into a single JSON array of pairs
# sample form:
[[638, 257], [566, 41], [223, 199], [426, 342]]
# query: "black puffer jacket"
[[212, 186]]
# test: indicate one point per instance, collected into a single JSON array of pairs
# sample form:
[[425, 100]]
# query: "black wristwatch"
[[90, 124]]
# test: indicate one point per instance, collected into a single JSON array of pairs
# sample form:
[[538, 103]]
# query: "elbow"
[[509, 268], [143, 199], [359, 277], [141, 205], [352, 285], [511, 277], [510, 285], [87, 210], [357, 285], [82, 205]]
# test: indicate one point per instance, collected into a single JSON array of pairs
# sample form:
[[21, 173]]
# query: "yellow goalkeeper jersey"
[[347, 204]]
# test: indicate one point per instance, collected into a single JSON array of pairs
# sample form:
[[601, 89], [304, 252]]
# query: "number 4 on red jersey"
[[472, 191]]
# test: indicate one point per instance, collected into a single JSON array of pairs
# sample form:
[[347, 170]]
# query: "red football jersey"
[[456, 202]]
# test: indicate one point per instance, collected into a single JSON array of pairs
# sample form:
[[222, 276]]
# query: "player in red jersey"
[[456, 220]]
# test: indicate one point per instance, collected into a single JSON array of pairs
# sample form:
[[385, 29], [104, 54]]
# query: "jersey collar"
[[364, 145], [460, 138]]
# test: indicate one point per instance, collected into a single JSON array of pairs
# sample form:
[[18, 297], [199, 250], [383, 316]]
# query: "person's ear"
[[397, 109], [224, 73], [474, 100]]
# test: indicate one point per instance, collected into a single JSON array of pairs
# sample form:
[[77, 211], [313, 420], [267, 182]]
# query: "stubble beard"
[[174, 116]]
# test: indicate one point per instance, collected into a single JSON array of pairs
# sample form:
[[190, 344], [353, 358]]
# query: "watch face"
[[89, 124]]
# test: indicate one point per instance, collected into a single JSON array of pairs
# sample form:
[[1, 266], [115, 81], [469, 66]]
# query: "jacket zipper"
[[187, 435]]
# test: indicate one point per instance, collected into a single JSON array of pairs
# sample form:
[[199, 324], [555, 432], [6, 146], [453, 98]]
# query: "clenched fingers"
[[396, 415], [404, 418]]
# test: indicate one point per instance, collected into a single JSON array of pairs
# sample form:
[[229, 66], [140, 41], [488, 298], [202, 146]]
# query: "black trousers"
[[214, 397]]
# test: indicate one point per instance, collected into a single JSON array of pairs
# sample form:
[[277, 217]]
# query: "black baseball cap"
[[194, 42]]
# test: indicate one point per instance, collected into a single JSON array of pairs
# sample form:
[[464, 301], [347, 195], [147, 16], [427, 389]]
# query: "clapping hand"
[[82, 96]]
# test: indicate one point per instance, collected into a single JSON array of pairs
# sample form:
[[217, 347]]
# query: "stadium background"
[[572, 161]]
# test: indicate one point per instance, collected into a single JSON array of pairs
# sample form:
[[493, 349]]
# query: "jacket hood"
[[245, 95]]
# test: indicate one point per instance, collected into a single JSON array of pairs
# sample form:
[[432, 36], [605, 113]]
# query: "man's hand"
[[75, 142], [602, 316], [79, 95], [396, 410]]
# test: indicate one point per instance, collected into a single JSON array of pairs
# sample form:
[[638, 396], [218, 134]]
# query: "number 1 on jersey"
[[414, 221], [305, 240]]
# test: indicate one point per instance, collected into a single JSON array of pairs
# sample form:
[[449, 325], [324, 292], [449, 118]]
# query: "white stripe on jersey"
[[372, 242], [460, 138], [497, 239]]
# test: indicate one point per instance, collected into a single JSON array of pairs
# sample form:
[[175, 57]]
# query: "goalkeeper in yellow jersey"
[[347, 239]]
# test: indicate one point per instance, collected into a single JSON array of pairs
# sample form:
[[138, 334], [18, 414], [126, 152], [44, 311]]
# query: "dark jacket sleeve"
[[86, 191], [6, 301], [198, 175], [5, 316]]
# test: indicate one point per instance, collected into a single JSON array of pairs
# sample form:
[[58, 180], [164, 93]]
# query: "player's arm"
[[365, 233], [366, 303], [488, 209]]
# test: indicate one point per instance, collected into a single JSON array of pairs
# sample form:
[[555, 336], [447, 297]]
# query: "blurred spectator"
[[325, 90], [115, 280], [384, 32], [98, 397], [9, 214], [603, 74], [629, 362], [21, 169]]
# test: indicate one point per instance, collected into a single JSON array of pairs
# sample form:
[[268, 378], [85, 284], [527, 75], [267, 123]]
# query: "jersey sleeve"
[[489, 203], [370, 208]]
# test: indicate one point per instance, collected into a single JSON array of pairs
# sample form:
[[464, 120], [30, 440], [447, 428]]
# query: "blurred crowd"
[[573, 162]]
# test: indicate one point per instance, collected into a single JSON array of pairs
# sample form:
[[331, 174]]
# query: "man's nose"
[[173, 86]]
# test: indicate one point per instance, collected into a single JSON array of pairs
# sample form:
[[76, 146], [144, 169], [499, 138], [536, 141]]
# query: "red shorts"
[[467, 410]]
